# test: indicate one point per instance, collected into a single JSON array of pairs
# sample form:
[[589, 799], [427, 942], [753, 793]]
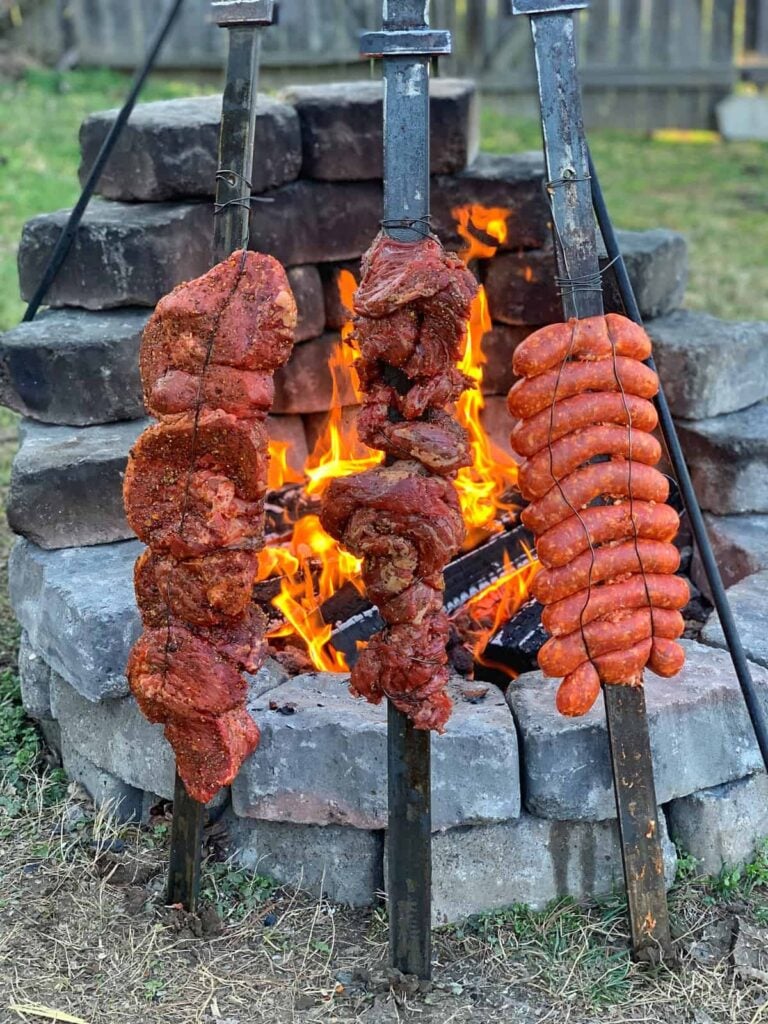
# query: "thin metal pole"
[[67, 236], [236, 145], [575, 239], [677, 458]]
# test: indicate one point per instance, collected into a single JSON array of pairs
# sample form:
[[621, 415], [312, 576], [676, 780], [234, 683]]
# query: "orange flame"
[[280, 472]]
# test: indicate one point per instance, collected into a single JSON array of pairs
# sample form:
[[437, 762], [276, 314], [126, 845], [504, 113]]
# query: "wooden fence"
[[645, 63]]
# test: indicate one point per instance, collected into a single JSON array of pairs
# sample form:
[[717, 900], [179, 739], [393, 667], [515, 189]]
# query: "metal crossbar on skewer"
[[243, 20], [576, 253]]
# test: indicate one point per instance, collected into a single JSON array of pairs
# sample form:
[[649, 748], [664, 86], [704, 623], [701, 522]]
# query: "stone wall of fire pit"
[[523, 809]]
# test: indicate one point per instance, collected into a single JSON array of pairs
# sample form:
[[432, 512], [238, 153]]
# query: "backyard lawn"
[[83, 925]]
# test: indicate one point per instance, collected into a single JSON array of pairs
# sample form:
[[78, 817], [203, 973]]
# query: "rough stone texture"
[[657, 262], [749, 604], [530, 861], [322, 759], [315, 424], [700, 736], [511, 182], [308, 291], [78, 606], [497, 423], [290, 430], [728, 459], [498, 347], [73, 367], [122, 801], [35, 679], [114, 734], [342, 127], [305, 383], [169, 148], [66, 483], [710, 366], [124, 254], [317, 221], [343, 864], [722, 826], [336, 313], [740, 544], [521, 287]]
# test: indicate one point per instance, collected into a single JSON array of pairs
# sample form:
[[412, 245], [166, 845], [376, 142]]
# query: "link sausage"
[[664, 592], [531, 395], [594, 337], [602, 523]]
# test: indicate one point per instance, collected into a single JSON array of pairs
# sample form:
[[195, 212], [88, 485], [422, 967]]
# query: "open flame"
[[311, 566]]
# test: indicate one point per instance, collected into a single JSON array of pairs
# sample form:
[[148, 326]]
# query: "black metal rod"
[[185, 861], [677, 458], [67, 236]]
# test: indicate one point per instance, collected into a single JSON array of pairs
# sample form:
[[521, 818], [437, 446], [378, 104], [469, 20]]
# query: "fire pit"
[[310, 806]]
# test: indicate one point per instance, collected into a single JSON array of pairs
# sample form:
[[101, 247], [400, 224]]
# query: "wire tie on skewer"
[[567, 179], [422, 225]]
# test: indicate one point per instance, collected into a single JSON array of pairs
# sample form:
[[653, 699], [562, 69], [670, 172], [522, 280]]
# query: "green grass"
[[715, 193]]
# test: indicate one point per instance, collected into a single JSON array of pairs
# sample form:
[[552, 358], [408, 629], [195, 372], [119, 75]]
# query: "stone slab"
[[342, 127], [723, 826], [290, 430], [323, 758], [341, 863], [497, 423], [513, 183], [307, 289], [124, 254], [529, 861], [498, 346], [700, 736], [79, 609], [116, 737], [118, 799], [35, 680], [749, 603], [169, 148], [740, 544], [728, 459], [743, 118], [74, 367], [521, 285], [66, 483], [305, 383], [710, 366], [336, 313]]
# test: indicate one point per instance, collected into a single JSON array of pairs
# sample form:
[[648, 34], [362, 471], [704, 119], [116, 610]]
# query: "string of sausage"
[[194, 492], [611, 601]]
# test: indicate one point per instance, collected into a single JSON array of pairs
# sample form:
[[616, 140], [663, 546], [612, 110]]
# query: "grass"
[[83, 927]]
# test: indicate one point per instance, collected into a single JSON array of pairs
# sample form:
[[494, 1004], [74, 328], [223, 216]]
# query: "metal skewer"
[[565, 152], [243, 19], [407, 45]]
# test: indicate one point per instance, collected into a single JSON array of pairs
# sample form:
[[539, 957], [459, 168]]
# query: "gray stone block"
[[322, 759], [35, 680], [728, 459], [700, 736], [341, 863], [336, 312], [34, 676], [521, 285], [290, 430], [79, 609], [498, 346], [342, 127], [116, 737], [530, 861], [74, 367], [124, 254], [710, 366], [67, 483], [305, 383], [120, 800], [308, 291], [722, 826], [740, 544], [169, 148], [512, 183], [749, 604]]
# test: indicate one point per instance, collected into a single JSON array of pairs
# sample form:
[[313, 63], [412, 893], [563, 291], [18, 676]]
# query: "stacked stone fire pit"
[[523, 804]]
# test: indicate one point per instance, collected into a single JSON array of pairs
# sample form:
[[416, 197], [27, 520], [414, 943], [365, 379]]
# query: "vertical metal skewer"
[[242, 19], [407, 45], [575, 240]]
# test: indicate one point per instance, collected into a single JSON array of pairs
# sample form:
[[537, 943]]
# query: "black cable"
[[698, 526], [65, 239]]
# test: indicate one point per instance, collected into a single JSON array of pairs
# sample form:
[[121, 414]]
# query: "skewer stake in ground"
[[407, 45], [243, 20], [565, 152]]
